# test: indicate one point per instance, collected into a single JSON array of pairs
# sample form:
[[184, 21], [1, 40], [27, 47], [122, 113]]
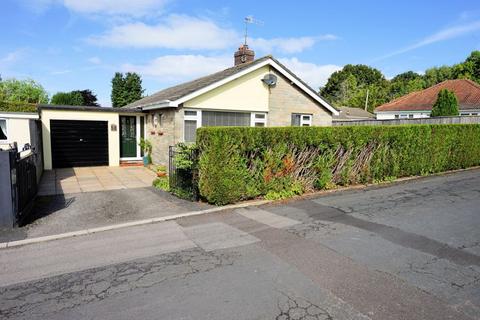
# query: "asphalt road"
[[408, 251]]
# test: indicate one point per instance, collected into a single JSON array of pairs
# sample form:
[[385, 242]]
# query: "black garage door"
[[79, 143]]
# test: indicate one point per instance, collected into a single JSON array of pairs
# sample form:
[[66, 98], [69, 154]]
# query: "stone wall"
[[163, 135], [286, 98], [437, 120]]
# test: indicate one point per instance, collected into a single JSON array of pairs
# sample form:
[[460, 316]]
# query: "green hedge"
[[244, 163], [7, 106]]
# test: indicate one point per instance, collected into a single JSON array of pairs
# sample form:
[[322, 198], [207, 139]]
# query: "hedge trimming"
[[244, 163], [7, 106]]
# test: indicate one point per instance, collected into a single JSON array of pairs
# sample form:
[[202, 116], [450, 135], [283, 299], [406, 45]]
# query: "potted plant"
[[161, 171], [146, 147]]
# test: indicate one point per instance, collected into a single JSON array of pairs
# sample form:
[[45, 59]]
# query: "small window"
[[191, 123], [3, 130], [259, 120], [397, 116], [403, 116], [410, 116], [190, 113], [301, 120]]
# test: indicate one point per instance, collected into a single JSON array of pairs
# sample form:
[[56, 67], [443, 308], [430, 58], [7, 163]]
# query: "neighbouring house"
[[419, 104], [352, 114], [24, 130], [254, 93]]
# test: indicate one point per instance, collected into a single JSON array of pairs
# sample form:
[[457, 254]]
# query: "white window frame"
[[137, 132], [404, 116], [6, 128], [197, 118], [254, 120], [306, 123]]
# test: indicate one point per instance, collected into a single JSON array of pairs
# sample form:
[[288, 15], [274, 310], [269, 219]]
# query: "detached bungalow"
[[419, 104], [260, 92]]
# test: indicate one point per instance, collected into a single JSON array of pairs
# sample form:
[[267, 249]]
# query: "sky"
[[79, 44]]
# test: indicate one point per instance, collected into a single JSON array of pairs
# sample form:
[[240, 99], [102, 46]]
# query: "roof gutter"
[[160, 105]]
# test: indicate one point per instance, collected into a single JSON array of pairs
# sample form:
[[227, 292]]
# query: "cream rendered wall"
[[18, 130], [113, 136], [247, 93]]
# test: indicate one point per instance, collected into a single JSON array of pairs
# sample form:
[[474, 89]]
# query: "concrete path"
[[91, 179], [409, 251]]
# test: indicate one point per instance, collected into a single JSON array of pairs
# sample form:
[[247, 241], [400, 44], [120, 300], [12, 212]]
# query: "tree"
[[89, 98], [126, 89], [349, 86], [446, 104], [73, 98], [29, 91], [405, 83]]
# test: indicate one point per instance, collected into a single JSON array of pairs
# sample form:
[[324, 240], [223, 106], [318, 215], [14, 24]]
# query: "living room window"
[[301, 120]]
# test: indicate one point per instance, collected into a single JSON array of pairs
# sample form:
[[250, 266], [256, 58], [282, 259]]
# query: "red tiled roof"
[[467, 92]]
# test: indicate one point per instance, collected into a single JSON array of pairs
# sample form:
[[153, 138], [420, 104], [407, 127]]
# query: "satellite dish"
[[270, 79]]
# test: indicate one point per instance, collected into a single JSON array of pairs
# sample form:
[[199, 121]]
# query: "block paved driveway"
[[406, 251], [90, 179]]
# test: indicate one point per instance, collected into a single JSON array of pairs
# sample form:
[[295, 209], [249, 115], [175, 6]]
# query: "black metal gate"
[[18, 186], [183, 173]]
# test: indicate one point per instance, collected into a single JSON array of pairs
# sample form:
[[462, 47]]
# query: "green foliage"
[[146, 147], [244, 163], [446, 104], [73, 98], [126, 89], [349, 86], [17, 106], [161, 183], [185, 157], [27, 91]]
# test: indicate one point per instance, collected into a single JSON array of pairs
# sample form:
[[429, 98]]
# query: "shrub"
[[446, 104], [17, 106], [244, 163], [161, 183]]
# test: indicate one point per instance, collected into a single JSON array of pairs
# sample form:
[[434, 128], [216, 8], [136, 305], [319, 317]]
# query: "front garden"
[[242, 163]]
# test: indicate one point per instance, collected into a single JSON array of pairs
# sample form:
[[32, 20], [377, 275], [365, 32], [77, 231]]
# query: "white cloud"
[[442, 35], [288, 45], [95, 60], [12, 57], [109, 7], [315, 75], [176, 32], [180, 68]]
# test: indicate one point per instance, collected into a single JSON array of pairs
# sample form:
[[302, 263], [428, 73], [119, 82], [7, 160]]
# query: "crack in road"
[[296, 308], [51, 295]]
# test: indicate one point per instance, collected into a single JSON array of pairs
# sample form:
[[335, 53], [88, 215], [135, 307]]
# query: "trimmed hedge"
[[7, 106], [243, 163]]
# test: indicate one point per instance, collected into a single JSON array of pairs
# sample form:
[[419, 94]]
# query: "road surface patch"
[[268, 218], [217, 235]]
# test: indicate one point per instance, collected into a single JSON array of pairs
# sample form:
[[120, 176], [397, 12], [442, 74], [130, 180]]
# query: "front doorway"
[[128, 137]]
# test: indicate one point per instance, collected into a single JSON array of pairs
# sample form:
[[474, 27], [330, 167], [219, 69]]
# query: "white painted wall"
[[18, 128], [402, 115]]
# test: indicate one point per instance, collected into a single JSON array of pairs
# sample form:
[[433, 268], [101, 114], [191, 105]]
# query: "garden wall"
[[244, 163]]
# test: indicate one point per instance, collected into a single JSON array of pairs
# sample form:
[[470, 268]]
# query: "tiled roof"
[[349, 113], [467, 92]]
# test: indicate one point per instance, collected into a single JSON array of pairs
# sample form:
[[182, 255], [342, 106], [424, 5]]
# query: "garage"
[[79, 143]]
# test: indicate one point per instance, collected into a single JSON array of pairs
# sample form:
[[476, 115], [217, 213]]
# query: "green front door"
[[128, 137]]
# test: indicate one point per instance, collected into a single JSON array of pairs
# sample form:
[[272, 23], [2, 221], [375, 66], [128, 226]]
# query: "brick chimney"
[[244, 55]]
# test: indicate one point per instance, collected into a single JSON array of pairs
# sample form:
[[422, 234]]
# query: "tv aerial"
[[250, 20]]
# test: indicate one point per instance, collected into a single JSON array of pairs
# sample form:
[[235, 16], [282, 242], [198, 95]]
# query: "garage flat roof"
[[84, 108]]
